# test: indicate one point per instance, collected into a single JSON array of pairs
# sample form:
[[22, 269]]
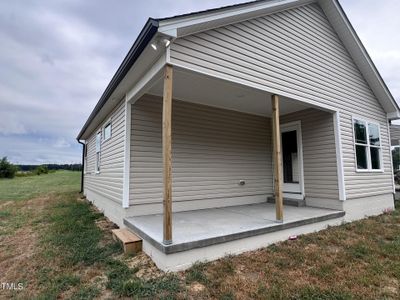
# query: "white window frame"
[[108, 123], [368, 146], [97, 162]]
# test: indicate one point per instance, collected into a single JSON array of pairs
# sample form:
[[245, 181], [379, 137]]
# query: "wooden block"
[[131, 242]]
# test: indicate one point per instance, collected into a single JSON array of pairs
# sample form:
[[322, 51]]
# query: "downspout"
[[83, 163]]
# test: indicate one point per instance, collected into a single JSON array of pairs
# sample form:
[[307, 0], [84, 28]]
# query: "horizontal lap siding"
[[298, 53], [212, 150], [395, 133], [109, 181], [319, 153]]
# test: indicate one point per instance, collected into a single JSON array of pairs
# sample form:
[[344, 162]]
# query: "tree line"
[[69, 167], [9, 170]]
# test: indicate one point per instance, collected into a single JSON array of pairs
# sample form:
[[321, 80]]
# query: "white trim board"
[[127, 155], [339, 156]]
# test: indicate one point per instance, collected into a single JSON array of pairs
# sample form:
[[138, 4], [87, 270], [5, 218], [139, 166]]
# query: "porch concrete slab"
[[200, 228]]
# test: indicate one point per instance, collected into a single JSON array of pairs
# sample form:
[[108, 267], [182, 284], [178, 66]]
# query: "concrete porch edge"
[[180, 247]]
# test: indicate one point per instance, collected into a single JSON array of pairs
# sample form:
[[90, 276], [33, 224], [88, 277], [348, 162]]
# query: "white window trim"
[[97, 165], [109, 122], [369, 163]]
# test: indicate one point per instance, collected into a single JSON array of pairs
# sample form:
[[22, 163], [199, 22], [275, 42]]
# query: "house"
[[226, 130]]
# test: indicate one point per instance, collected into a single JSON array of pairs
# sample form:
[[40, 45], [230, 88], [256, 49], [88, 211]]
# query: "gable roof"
[[186, 24]]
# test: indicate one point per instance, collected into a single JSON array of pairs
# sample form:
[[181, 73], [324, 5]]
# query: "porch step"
[[131, 242], [289, 201]]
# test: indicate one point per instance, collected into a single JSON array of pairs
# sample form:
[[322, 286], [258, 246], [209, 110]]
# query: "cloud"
[[61, 143], [9, 124], [57, 58]]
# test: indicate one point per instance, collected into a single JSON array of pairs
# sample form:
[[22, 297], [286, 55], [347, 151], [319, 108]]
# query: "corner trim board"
[[339, 156], [127, 155]]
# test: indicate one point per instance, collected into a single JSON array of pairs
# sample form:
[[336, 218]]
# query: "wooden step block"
[[131, 242]]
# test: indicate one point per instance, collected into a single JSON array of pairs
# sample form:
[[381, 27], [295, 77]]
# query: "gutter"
[[145, 36], [83, 163]]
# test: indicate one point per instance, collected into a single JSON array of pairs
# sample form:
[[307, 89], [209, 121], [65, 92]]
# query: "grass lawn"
[[23, 188], [59, 246]]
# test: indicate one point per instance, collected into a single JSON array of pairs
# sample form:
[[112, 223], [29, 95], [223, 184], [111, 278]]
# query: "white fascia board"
[[147, 80], [393, 115], [348, 36], [181, 26]]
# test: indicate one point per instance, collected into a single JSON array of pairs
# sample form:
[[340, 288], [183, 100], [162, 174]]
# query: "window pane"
[[375, 158], [373, 131], [360, 132], [107, 131], [361, 154]]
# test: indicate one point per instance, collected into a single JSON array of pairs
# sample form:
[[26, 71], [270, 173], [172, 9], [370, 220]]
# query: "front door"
[[292, 160]]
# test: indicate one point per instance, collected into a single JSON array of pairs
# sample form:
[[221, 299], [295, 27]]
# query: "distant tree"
[[41, 170], [7, 169]]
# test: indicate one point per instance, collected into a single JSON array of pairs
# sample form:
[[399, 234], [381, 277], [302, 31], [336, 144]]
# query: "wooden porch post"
[[167, 154], [276, 137]]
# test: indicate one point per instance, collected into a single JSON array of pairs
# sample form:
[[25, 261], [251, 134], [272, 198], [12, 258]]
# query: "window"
[[107, 131], [98, 145], [367, 145]]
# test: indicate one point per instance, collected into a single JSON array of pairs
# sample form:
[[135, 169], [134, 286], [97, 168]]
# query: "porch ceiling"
[[198, 88]]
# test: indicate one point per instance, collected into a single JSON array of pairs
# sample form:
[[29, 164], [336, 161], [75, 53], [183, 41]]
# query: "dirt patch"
[[6, 204], [196, 288], [146, 268]]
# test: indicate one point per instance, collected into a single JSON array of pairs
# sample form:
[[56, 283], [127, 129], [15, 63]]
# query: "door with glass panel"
[[292, 160]]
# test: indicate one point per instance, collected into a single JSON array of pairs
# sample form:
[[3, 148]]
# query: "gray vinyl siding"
[[319, 153], [212, 150], [395, 134], [108, 183], [297, 53]]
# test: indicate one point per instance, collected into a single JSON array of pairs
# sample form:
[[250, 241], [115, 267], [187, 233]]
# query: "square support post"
[[167, 154], [277, 156]]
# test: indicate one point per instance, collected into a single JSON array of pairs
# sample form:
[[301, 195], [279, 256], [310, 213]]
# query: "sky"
[[57, 57]]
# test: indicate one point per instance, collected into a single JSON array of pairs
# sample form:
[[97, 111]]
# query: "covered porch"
[[181, 220]]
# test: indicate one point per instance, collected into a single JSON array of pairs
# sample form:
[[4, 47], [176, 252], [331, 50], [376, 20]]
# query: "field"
[[53, 244]]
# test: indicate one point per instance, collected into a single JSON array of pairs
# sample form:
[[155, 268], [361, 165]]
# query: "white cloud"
[[57, 58], [9, 124], [61, 143]]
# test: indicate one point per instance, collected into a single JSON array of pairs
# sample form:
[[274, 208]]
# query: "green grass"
[[23, 188], [75, 259]]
